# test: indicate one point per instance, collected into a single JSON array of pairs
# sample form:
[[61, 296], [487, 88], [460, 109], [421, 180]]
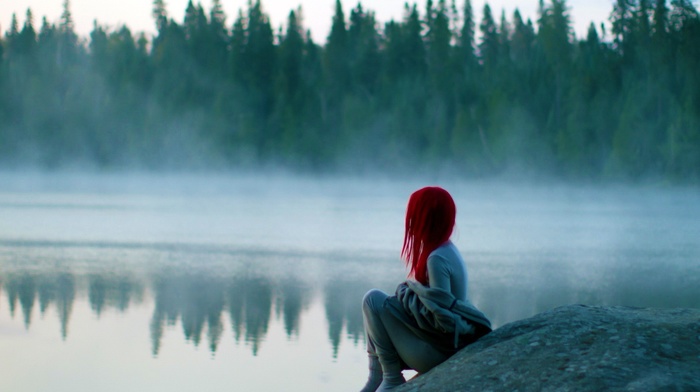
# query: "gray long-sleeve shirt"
[[447, 271]]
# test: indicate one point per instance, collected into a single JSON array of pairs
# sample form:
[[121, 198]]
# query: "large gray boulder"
[[578, 348]]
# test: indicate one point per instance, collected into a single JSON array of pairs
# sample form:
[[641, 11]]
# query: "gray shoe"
[[391, 382]]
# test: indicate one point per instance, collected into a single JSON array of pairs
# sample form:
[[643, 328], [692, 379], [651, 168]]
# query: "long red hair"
[[430, 219]]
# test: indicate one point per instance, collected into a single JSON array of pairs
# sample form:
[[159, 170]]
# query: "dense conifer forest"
[[474, 92]]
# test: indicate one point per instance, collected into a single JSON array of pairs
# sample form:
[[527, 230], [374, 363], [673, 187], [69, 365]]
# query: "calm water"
[[119, 283]]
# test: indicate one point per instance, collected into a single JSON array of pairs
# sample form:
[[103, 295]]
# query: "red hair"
[[430, 219]]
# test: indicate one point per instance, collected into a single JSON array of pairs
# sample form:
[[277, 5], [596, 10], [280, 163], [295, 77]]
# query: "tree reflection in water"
[[106, 290], [23, 289], [196, 300], [250, 305], [293, 299], [343, 299], [199, 298], [57, 289]]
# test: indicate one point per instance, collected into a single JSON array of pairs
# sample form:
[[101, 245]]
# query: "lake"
[[254, 282]]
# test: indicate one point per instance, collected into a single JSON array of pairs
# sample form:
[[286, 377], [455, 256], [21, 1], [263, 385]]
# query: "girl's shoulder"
[[447, 251]]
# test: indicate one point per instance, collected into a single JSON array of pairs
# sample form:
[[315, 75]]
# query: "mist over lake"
[[145, 243], [254, 282]]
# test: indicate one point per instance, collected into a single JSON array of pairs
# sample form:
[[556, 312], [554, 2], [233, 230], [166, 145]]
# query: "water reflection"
[[293, 299], [250, 305], [196, 300], [109, 291], [507, 286], [342, 301], [51, 289]]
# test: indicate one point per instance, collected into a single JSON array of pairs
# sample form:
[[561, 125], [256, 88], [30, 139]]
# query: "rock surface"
[[578, 348]]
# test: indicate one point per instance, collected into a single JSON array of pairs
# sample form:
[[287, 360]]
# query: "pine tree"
[[27, 37], [218, 40], [523, 41], [67, 25], [68, 39], [336, 56], [467, 38], [260, 70], [438, 41], [160, 15], [504, 37], [13, 34], [363, 52], [489, 45], [414, 48], [290, 86], [237, 50], [622, 19]]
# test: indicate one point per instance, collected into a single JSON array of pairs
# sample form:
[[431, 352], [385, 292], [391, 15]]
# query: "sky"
[[136, 14]]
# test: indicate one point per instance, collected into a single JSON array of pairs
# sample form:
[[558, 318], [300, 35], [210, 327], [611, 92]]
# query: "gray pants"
[[395, 344]]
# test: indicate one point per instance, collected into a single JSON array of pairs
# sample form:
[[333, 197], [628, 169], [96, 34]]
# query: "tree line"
[[437, 90]]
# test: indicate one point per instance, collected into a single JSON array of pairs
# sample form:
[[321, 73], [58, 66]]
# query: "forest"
[[474, 93]]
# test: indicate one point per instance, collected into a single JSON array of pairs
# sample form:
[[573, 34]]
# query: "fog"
[[258, 267], [608, 244]]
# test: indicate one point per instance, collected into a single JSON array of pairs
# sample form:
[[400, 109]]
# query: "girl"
[[430, 318]]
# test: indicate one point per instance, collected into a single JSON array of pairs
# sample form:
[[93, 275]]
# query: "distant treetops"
[[435, 90]]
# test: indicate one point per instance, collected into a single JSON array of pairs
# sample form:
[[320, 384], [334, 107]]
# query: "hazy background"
[[472, 92]]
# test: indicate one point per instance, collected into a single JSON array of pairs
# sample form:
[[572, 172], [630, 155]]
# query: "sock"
[[375, 375]]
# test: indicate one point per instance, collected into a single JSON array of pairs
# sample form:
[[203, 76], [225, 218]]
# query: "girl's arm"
[[439, 273]]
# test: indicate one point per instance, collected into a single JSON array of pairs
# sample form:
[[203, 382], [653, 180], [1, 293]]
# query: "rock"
[[578, 348]]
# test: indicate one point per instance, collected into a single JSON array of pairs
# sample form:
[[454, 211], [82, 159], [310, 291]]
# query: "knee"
[[373, 299]]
